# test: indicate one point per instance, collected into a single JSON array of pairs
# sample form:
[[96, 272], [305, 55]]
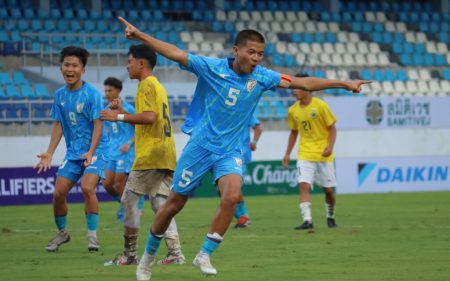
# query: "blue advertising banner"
[[23, 186]]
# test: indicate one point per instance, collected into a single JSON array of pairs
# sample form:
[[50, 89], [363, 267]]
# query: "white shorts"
[[322, 173]]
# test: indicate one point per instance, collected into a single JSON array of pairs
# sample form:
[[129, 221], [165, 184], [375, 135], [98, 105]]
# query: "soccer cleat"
[[93, 244], [144, 268], [243, 222], [331, 222], [172, 259], [203, 262], [305, 225], [121, 260], [61, 237]]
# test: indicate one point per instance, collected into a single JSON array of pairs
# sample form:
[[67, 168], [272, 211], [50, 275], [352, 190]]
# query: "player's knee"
[[88, 191]]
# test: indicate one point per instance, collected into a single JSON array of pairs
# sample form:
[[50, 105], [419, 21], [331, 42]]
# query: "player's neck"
[[305, 101], [75, 86], [145, 74]]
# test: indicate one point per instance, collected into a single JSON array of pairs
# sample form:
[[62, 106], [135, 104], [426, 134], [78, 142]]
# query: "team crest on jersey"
[[238, 161], [251, 85], [80, 107], [313, 114]]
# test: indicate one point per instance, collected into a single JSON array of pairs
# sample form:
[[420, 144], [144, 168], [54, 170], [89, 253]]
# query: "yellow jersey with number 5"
[[312, 122], [154, 143]]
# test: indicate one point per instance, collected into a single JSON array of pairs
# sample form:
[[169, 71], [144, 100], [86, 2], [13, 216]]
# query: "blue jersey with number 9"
[[76, 111]]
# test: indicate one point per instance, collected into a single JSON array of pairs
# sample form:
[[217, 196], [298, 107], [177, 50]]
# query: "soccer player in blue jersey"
[[228, 90], [76, 110], [120, 147]]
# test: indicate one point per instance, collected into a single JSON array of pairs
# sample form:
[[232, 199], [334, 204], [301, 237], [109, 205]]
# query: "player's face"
[[300, 94], [248, 56], [111, 92], [72, 69], [134, 67]]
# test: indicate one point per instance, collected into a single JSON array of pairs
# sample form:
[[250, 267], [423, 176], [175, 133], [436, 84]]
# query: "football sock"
[[305, 210], [238, 212], [212, 241], [330, 210], [153, 242], [92, 221], [141, 203], [61, 222]]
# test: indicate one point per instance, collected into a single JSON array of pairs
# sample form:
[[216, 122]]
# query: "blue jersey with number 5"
[[76, 111], [224, 102]]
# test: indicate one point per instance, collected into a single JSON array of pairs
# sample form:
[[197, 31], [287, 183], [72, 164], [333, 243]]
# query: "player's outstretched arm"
[[167, 50], [45, 159], [317, 84]]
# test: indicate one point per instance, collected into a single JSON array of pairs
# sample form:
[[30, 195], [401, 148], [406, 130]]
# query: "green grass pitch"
[[398, 236]]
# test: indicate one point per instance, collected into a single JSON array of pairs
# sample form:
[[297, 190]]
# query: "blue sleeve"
[[196, 64], [55, 111], [96, 106], [254, 122], [272, 78]]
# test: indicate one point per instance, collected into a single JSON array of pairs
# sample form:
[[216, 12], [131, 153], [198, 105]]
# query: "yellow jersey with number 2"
[[154, 143], [312, 122]]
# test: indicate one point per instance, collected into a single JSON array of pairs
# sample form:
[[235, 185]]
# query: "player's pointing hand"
[[356, 85], [131, 31]]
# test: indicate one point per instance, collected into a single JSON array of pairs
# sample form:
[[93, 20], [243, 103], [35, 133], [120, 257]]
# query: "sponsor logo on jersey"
[[238, 161]]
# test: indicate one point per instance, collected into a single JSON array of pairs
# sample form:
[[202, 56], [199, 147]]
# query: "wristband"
[[254, 142], [120, 117]]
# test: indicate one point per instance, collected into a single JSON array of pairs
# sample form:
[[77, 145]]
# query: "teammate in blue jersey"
[[76, 111], [229, 89], [120, 147], [240, 212]]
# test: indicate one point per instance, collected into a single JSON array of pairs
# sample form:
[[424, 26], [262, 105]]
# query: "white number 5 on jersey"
[[232, 97]]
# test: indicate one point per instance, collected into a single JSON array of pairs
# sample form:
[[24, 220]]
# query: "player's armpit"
[[285, 81]]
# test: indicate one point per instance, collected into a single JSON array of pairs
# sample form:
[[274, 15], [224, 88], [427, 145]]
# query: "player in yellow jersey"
[[313, 120], [155, 154]]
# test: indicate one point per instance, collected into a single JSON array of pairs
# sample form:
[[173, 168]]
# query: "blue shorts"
[[195, 162], [73, 170], [119, 166]]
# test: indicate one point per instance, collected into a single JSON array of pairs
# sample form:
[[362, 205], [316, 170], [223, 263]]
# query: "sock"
[[305, 209], [92, 221], [240, 210], [117, 198], [153, 242], [330, 210], [141, 203], [61, 222], [212, 241]]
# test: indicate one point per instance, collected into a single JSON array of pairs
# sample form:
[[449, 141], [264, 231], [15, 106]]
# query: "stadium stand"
[[402, 45]]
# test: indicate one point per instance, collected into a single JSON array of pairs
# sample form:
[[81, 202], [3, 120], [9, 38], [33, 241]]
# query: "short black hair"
[[142, 51], [113, 82], [71, 51], [248, 35], [302, 75]]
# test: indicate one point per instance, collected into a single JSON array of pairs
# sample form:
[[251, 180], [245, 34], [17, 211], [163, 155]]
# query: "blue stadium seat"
[[5, 79], [43, 14], [19, 78], [26, 91], [446, 74], [41, 91], [11, 92], [15, 13], [402, 75], [28, 13], [390, 75], [2, 94]]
